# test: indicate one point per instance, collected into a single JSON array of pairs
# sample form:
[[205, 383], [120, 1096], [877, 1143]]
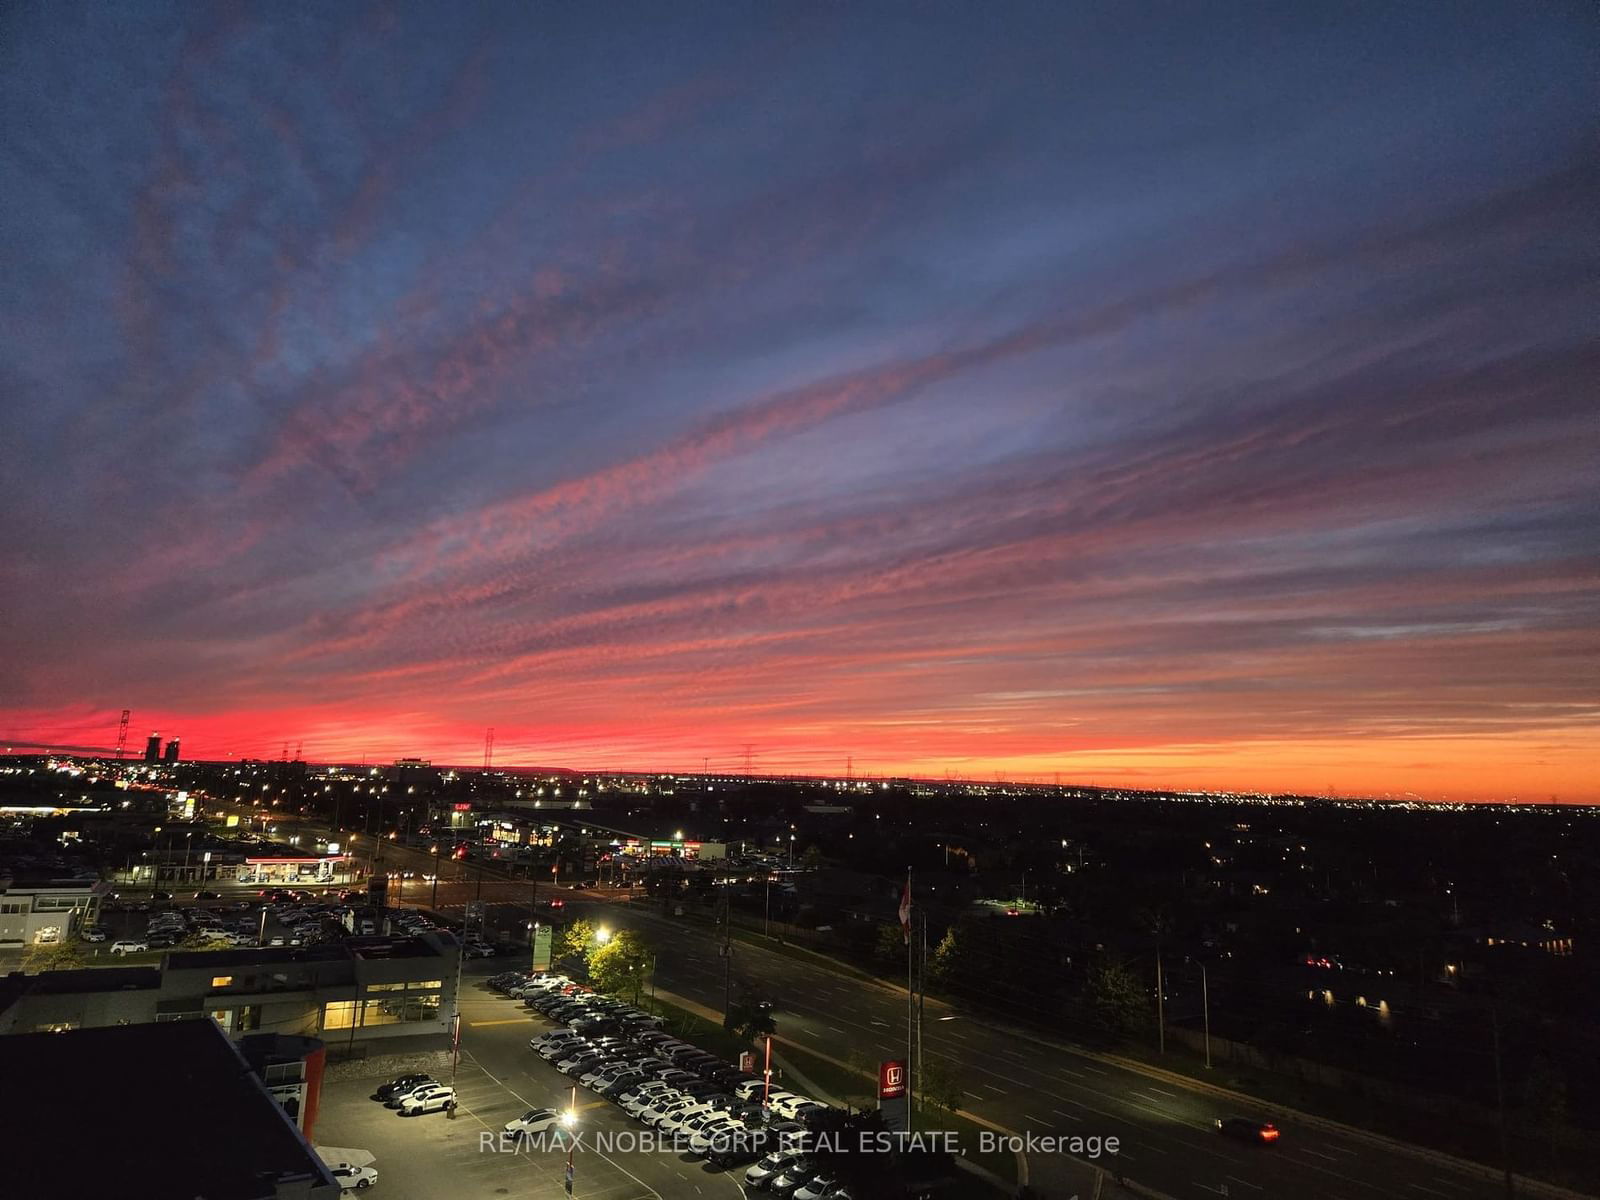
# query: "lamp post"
[[570, 1120], [1205, 1008]]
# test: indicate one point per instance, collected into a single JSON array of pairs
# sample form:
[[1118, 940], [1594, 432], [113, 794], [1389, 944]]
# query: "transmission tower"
[[488, 747], [286, 752], [122, 734], [747, 748], [298, 748]]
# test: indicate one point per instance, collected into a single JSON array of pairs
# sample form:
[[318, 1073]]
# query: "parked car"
[[823, 1187], [129, 946], [400, 1085], [733, 1150], [793, 1177], [535, 1120], [93, 935], [402, 1094], [426, 1100], [769, 1168], [348, 1176]]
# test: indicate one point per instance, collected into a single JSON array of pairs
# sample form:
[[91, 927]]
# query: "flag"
[[905, 911]]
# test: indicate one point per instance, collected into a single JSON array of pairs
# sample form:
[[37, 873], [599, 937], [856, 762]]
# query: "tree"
[[575, 940], [750, 1018], [1116, 997], [52, 956], [621, 964], [1544, 1098], [204, 941], [891, 944], [812, 858], [940, 1089]]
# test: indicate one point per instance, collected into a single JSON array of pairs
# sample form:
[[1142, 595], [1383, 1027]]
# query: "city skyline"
[[1158, 399]]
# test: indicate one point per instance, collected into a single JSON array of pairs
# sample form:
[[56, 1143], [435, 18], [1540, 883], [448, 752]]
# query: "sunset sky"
[[1195, 395]]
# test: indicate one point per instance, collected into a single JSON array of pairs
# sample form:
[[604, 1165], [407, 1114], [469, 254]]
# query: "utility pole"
[[1205, 1005], [1161, 1004], [1500, 1102], [727, 956], [435, 904]]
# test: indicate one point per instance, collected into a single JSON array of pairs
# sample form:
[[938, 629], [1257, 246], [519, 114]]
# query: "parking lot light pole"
[[571, 1122], [1205, 1005]]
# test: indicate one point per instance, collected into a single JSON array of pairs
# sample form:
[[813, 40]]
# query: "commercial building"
[[363, 990], [41, 911], [171, 754], [152, 748], [195, 1120]]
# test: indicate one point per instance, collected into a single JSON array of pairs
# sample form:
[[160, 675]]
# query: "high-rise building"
[[172, 750], [152, 748]]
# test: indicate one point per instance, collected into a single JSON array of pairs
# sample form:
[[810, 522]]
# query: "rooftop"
[[196, 1122]]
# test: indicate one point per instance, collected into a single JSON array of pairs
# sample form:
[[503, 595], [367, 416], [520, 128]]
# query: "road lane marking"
[[1429, 1190], [507, 1021]]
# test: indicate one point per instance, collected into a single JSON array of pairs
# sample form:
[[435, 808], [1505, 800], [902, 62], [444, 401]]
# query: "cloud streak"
[[929, 395]]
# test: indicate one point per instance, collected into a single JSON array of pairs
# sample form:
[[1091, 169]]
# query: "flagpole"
[[922, 990], [911, 1010]]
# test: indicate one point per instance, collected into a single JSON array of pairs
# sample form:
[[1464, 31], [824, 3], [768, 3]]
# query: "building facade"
[[45, 911], [361, 990]]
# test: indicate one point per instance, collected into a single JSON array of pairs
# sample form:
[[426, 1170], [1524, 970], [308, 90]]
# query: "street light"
[[1205, 1007], [602, 935], [569, 1119]]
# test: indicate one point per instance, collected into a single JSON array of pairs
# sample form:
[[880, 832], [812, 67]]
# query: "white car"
[[93, 935], [750, 1089], [535, 1120], [646, 1106], [770, 1167], [427, 1100], [129, 946], [716, 1129], [785, 1104], [822, 1187], [642, 1097], [348, 1176]]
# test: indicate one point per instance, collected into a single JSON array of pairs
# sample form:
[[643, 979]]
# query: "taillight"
[[1269, 1134]]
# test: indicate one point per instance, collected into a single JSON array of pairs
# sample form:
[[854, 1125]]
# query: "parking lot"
[[498, 1079]]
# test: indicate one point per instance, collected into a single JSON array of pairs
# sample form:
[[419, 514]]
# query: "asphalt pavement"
[[500, 1078]]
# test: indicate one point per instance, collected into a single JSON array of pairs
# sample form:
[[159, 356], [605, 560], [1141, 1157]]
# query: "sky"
[[1158, 395]]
